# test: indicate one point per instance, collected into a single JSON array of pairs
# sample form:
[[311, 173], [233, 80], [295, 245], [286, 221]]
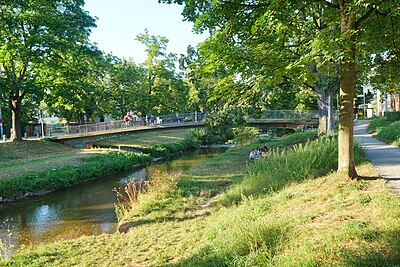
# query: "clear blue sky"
[[120, 21]]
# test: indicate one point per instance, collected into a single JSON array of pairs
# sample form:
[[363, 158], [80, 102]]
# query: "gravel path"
[[385, 158]]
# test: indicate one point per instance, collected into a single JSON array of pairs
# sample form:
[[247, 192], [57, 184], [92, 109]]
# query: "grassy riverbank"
[[225, 212], [146, 139], [34, 167]]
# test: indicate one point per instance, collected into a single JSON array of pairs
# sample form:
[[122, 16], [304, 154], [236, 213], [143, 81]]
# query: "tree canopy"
[[34, 35]]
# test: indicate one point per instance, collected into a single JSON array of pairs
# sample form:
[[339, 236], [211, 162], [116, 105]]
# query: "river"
[[86, 209]]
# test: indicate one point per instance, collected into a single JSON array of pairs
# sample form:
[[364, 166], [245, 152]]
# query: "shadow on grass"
[[125, 226], [389, 255], [369, 178], [242, 251], [195, 185]]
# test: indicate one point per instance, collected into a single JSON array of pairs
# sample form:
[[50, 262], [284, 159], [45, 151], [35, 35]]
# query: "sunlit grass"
[[146, 139]]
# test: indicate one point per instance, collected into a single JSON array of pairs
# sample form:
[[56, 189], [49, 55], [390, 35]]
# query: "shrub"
[[171, 148], [390, 133], [245, 134], [393, 115], [377, 124]]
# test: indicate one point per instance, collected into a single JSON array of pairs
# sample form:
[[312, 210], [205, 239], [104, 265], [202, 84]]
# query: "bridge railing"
[[154, 121], [290, 114]]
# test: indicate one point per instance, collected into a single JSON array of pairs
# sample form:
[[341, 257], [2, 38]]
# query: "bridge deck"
[[83, 134], [128, 130]]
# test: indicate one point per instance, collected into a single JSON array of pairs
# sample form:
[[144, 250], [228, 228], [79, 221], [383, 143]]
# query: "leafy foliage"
[[36, 34], [243, 135]]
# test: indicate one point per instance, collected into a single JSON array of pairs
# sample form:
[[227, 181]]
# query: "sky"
[[120, 21]]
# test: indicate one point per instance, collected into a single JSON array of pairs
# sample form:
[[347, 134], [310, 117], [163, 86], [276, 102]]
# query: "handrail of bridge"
[[190, 117], [155, 121], [290, 114]]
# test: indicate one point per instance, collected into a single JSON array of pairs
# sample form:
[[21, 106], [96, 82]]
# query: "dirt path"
[[385, 158]]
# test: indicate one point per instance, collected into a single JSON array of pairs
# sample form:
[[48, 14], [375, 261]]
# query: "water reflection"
[[87, 209]]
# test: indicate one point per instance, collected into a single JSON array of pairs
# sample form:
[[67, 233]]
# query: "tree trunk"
[[347, 89], [325, 110], [322, 111], [15, 106]]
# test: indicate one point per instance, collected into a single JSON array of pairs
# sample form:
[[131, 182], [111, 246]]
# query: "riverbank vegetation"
[[145, 139], [386, 130], [35, 167], [230, 211]]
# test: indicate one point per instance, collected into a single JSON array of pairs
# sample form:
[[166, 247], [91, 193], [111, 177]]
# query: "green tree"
[[121, 89], [166, 90], [73, 82], [34, 33], [299, 40]]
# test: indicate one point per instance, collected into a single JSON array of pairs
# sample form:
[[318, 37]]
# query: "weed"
[[128, 198]]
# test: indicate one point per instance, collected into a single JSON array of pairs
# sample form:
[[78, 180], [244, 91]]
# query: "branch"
[[329, 4], [366, 16], [22, 72], [255, 6], [309, 85]]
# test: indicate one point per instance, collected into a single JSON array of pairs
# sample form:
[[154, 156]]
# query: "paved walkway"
[[385, 158]]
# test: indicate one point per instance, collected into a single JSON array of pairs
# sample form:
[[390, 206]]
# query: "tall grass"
[[386, 130], [390, 133], [377, 124], [283, 167]]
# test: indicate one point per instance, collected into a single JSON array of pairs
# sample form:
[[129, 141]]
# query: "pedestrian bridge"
[[85, 135]]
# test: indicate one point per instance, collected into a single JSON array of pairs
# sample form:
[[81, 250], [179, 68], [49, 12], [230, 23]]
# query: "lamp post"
[[42, 123], [1, 124]]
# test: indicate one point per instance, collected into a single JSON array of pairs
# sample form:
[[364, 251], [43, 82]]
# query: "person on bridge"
[[134, 118], [127, 119], [355, 111]]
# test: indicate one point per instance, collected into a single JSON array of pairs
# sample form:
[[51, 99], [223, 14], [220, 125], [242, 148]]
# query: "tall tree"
[[294, 37], [73, 82], [33, 33], [125, 89], [167, 92]]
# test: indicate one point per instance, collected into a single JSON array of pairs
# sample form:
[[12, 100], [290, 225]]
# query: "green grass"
[[19, 157], [390, 134], [146, 139], [303, 220], [377, 124], [385, 130]]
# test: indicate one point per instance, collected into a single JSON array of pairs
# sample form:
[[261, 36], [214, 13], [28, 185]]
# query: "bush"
[[245, 134], [165, 150], [390, 133], [377, 124], [393, 116]]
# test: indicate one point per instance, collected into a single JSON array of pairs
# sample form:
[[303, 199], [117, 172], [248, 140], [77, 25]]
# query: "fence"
[[290, 114], [52, 131]]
